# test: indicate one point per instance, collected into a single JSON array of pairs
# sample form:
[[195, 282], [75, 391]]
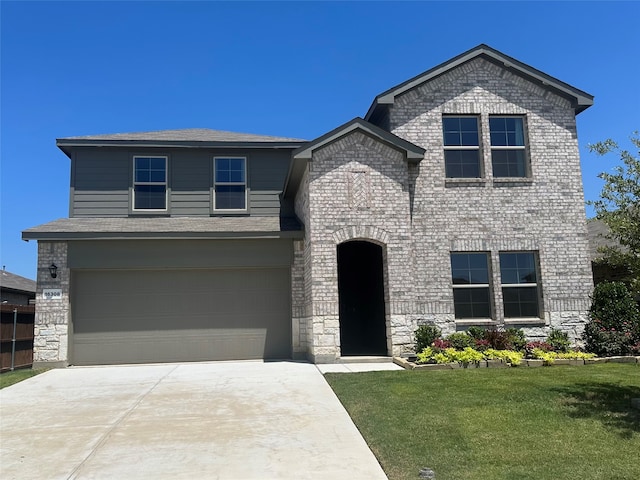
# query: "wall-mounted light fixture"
[[53, 270]]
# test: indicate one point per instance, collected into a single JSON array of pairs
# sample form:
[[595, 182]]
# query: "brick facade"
[[359, 188]]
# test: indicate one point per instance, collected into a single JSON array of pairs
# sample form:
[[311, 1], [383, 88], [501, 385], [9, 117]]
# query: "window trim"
[[524, 148], [537, 285], [244, 184], [488, 286], [165, 183], [456, 148]]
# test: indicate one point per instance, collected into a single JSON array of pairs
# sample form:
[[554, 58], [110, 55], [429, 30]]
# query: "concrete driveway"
[[223, 420]]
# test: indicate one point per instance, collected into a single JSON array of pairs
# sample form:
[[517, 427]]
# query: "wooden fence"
[[22, 316]]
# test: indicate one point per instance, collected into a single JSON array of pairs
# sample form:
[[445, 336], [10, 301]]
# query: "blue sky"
[[296, 69]]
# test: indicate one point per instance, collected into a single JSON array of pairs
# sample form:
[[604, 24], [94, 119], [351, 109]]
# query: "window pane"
[[150, 197], [150, 169], [471, 302], [460, 131], [462, 163], [520, 302], [230, 170], [230, 197], [518, 267], [508, 163], [469, 268], [506, 131]]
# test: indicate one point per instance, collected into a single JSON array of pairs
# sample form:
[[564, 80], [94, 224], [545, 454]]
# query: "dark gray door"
[[141, 316]]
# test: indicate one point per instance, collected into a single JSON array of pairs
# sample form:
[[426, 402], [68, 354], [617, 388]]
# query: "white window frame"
[[165, 183], [477, 148], [527, 169], [244, 184]]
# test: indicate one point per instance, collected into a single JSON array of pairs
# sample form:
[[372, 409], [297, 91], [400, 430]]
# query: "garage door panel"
[[178, 315]]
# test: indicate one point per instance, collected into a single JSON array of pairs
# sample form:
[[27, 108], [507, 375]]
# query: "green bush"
[[476, 333], [425, 335], [614, 325], [559, 340], [460, 340], [515, 336]]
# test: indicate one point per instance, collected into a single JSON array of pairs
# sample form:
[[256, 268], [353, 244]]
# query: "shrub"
[[481, 345], [441, 344], [515, 336], [531, 346], [498, 339], [559, 340], [509, 356], [476, 333], [614, 325], [460, 340], [425, 336]]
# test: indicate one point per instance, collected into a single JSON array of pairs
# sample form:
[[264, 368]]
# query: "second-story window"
[[150, 183], [461, 147], [230, 184], [508, 151]]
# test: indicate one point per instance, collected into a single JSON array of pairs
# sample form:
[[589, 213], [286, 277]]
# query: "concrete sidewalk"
[[223, 420]]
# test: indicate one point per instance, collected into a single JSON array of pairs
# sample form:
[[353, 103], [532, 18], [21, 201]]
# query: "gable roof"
[[189, 137], [413, 152], [579, 99], [16, 282]]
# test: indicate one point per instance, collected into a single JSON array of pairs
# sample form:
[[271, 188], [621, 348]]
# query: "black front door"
[[361, 292]]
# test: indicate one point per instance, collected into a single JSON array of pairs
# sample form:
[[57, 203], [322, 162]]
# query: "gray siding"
[[101, 180]]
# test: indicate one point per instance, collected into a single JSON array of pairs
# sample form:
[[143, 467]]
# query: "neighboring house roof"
[[579, 99], [597, 232], [15, 282], [190, 137], [165, 227]]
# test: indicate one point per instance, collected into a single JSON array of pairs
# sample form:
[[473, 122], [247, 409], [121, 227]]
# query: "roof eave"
[[580, 99], [67, 143], [413, 152], [65, 236]]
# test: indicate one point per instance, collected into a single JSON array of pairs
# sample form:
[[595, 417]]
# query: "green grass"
[[518, 423], [9, 378]]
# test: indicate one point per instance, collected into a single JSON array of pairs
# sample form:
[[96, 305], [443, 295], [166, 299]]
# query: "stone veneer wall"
[[544, 213], [51, 329]]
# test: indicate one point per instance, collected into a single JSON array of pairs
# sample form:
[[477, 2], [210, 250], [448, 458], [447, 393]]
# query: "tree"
[[619, 208]]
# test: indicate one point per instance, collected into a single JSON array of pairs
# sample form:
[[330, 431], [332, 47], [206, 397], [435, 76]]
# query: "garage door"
[[141, 316]]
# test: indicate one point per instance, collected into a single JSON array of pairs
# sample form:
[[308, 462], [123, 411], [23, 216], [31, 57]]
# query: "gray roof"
[[413, 152], [187, 138], [165, 227], [16, 282], [580, 99], [597, 232], [187, 135]]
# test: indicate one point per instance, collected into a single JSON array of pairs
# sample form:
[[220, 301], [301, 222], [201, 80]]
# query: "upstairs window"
[[508, 150], [461, 147], [230, 184], [520, 290], [150, 183], [470, 278]]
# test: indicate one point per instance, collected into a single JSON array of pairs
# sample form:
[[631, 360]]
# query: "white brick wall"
[[419, 217]]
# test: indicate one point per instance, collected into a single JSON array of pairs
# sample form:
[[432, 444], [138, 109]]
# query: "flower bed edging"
[[527, 362]]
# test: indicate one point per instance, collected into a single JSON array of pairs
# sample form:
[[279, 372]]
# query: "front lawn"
[[516, 423], [9, 378]]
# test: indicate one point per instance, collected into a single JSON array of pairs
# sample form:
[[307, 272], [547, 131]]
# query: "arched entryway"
[[361, 294]]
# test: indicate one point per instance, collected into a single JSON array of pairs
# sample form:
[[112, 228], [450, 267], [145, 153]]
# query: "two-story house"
[[457, 201]]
